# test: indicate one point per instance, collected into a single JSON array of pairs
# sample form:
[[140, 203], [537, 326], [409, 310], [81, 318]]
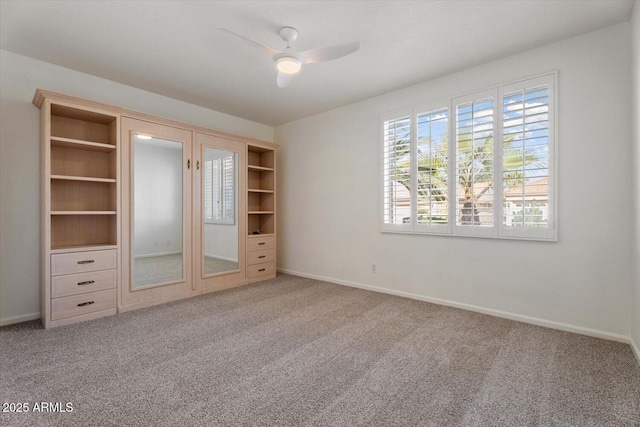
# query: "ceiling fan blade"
[[329, 53], [250, 42], [284, 79]]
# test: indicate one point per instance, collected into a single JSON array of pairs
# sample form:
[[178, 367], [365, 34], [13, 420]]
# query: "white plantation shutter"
[[219, 190], [432, 169], [490, 173], [396, 172], [527, 158], [208, 190], [228, 187], [475, 163]]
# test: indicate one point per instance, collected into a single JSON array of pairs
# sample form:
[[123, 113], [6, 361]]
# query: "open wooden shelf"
[[83, 195], [58, 141], [262, 222], [259, 168], [261, 191], [83, 212], [81, 229], [82, 178], [80, 126], [261, 180], [76, 248], [81, 160], [261, 158]]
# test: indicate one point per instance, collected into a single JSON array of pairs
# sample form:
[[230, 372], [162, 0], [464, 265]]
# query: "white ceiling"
[[173, 48]]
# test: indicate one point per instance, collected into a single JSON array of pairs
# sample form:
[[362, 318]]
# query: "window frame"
[[498, 230]]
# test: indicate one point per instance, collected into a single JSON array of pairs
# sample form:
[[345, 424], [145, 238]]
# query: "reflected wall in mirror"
[[220, 211], [157, 224]]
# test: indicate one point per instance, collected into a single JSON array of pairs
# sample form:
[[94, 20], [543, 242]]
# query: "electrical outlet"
[[374, 268]]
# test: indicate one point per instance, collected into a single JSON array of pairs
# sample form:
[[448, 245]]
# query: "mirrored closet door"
[[219, 190], [156, 256]]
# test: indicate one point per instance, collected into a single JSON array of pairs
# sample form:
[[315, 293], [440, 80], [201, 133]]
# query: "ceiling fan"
[[289, 62]]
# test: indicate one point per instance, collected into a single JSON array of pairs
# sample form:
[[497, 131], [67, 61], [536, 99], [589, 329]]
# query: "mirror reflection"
[[219, 175], [157, 225]]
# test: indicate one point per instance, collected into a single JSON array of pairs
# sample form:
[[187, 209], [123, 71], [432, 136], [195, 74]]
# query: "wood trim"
[[82, 318], [41, 94], [45, 217], [262, 278], [635, 349], [221, 280], [222, 286], [127, 295]]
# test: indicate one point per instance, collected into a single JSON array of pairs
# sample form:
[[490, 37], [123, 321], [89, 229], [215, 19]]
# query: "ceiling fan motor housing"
[[289, 35]]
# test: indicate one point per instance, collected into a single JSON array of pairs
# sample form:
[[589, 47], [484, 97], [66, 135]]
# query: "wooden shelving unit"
[[261, 212], [86, 248], [80, 209], [261, 190]]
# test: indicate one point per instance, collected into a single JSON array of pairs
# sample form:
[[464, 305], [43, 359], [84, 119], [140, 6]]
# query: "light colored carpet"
[[294, 351], [166, 268]]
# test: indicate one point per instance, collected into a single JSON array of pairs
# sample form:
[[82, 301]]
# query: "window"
[[219, 190], [497, 178]]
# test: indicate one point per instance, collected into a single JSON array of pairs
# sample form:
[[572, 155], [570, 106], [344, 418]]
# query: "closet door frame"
[[231, 278], [128, 298]]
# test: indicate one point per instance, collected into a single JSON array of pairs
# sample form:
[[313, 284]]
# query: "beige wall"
[[329, 192], [19, 161]]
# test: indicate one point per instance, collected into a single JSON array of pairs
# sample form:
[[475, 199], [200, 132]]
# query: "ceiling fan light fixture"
[[289, 62], [288, 65]]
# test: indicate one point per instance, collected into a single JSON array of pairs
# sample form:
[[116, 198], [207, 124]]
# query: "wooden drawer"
[[261, 243], [73, 284], [76, 305], [79, 262], [259, 257], [266, 269]]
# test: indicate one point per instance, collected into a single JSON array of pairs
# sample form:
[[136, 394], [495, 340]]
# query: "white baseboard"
[[635, 348], [222, 257], [492, 312], [18, 319]]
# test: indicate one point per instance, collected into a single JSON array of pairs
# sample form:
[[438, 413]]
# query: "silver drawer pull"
[[88, 282], [86, 261], [262, 256], [262, 269], [261, 243], [82, 304]]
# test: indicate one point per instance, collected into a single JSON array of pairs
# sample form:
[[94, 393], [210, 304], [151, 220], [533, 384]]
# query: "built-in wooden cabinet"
[[220, 233], [80, 210], [157, 198], [261, 211], [88, 255]]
